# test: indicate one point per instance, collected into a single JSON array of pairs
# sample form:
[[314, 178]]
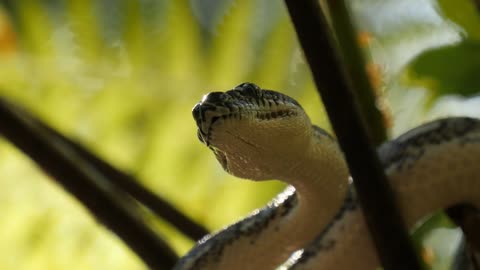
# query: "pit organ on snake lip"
[[262, 135]]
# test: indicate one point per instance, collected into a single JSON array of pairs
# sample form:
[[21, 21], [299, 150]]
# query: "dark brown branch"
[[128, 184], [87, 185], [465, 257], [477, 5], [383, 219]]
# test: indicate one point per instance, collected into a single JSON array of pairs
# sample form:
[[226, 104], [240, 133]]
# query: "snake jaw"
[[205, 115], [221, 158]]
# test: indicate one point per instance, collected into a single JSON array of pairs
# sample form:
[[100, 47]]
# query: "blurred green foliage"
[[122, 76], [459, 76], [463, 13]]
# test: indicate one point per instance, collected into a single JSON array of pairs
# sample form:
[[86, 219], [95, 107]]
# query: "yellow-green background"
[[122, 76]]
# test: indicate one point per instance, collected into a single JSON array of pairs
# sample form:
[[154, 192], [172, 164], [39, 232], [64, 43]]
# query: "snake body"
[[262, 134]]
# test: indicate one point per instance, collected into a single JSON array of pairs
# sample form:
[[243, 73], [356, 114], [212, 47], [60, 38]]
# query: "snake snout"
[[206, 112], [196, 113], [214, 98]]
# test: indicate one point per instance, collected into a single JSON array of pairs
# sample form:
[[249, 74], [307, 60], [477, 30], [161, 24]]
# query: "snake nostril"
[[196, 112], [201, 137]]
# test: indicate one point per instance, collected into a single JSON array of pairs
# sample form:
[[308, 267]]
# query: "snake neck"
[[430, 168], [321, 182], [269, 236], [320, 179]]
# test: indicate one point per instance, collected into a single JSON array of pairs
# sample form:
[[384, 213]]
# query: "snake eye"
[[249, 89]]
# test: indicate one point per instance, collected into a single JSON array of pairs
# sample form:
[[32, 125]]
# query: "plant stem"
[[335, 87], [90, 187], [351, 54]]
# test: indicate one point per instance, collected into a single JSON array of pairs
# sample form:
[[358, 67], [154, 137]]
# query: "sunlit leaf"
[[465, 14], [277, 57], [447, 70], [84, 23], [421, 232], [436, 220], [231, 53], [210, 12]]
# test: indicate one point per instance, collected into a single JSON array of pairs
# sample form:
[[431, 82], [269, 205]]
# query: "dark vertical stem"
[[88, 185], [477, 5], [351, 54], [468, 218], [383, 219]]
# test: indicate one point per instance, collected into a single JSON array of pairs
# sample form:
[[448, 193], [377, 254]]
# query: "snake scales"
[[261, 134]]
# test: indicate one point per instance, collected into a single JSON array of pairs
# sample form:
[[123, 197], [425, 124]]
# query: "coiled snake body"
[[261, 134]]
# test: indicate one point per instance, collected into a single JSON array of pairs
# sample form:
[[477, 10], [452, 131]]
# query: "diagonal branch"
[[126, 183], [335, 87], [90, 187], [463, 215]]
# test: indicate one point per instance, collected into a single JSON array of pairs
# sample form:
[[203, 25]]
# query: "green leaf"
[[465, 14], [436, 220], [447, 70], [424, 229]]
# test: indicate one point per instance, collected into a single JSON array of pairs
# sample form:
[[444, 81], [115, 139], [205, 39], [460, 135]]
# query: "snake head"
[[247, 126]]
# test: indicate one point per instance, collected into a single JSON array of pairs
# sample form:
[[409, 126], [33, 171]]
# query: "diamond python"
[[262, 134]]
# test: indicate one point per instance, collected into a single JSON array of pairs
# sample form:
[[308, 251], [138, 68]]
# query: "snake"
[[260, 134]]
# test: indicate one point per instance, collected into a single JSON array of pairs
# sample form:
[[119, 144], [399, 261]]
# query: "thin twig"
[[87, 185], [383, 218]]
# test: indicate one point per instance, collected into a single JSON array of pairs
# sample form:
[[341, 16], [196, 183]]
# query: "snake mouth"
[[206, 116], [205, 122], [221, 157], [246, 100]]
